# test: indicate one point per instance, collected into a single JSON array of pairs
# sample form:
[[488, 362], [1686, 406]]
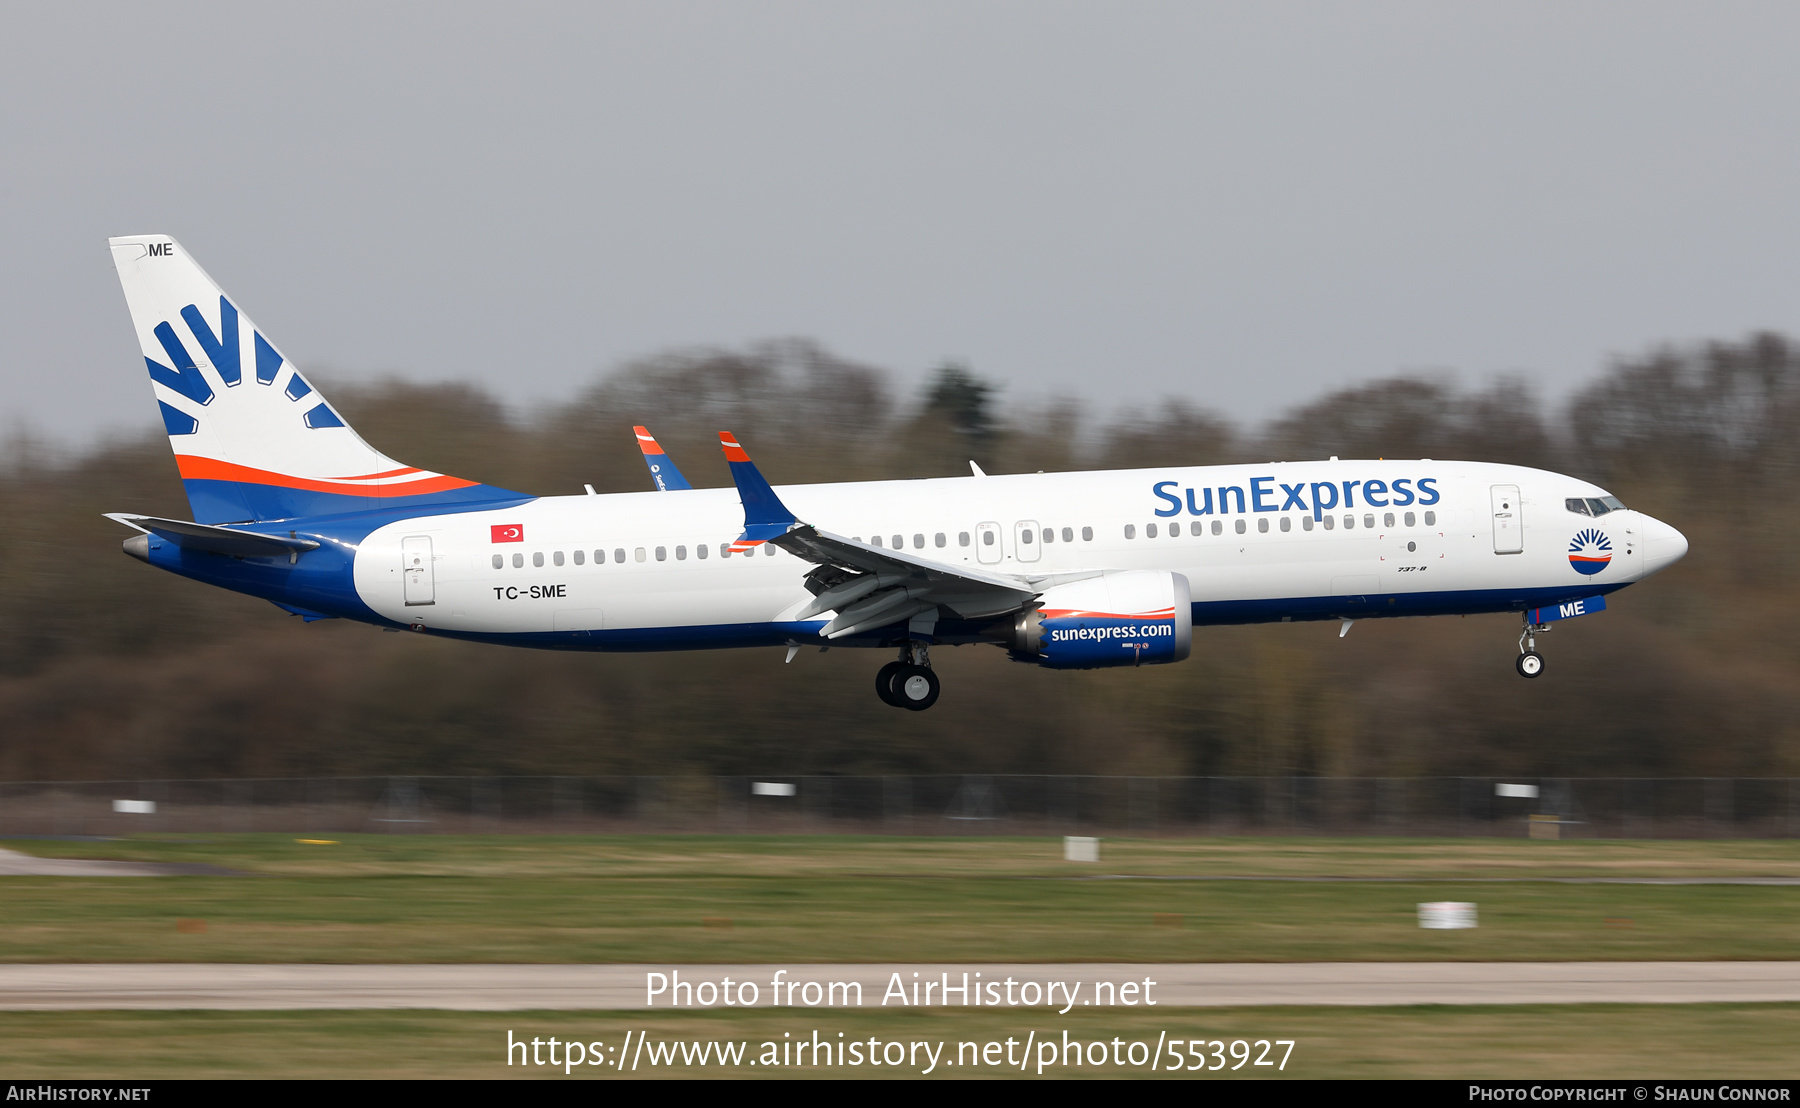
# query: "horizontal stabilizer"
[[215, 540]]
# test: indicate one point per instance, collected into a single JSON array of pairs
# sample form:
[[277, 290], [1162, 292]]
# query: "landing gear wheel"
[[1530, 664], [884, 683], [915, 687]]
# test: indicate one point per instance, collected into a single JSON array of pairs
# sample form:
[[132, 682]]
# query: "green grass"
[[1736, 1041], [812, 899], [818, 855]]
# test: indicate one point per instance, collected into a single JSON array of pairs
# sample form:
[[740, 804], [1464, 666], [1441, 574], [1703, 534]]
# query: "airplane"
[[1062, 570]]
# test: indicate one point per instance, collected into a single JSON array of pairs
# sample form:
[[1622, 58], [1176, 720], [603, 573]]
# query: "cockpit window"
[[1594, 505]]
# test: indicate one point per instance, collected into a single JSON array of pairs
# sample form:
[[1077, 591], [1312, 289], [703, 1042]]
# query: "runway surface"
[[15, 864], [599, 987]]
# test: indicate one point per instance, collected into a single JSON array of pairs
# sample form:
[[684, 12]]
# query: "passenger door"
[[415, 561], [1509, 532]]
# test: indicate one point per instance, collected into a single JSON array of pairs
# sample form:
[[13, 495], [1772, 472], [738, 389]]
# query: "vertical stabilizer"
[[252, 438]]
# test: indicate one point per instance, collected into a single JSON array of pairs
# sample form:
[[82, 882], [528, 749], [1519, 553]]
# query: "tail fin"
[[662, 470], [252, 438]]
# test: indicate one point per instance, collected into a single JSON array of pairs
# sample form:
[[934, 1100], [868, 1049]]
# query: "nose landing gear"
[[1530, 663], [908, 683]]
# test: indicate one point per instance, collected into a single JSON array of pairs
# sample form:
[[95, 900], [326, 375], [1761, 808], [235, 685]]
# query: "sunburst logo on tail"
[[1589, 551]]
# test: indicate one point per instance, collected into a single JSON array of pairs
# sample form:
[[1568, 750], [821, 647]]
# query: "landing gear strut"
[[1530, 663], [909, 682]]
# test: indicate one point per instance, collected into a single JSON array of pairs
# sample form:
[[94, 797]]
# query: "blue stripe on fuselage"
[[1209, 613], [321, 580]]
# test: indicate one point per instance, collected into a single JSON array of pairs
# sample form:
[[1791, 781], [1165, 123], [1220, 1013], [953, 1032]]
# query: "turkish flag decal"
[[508, 532]]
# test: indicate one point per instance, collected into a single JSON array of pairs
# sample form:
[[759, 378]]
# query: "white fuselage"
[[654, 562]]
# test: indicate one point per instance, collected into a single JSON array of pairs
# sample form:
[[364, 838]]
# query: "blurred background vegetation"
[[109, 668]]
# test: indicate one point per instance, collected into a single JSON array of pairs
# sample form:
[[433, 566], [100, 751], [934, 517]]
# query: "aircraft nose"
[[1663, 545]]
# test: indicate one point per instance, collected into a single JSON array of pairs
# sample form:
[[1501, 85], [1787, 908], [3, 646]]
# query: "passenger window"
[[1411, 519], [556, 558], [1196, 528], [580, 557], [940, 540], [1305, 523], [1087, 534], [1369, 521], [1238, 524], [619, 554], [700, 551], [918, 542], [537, 558], [1330, 522], [1430, 519], [1049, 534], [1349, 522], [1218, 528], [681, 553], [1262, 526], [962, 538], [1387, 520], [499, 561], [1149, 530], [1578, 505], [874, 540], [768, 550], [662, 553], [600, 557], [724, 550], [1131, 530], [518, 561], [899, 542], [1068, 534], [1287, 524], [638, 553]]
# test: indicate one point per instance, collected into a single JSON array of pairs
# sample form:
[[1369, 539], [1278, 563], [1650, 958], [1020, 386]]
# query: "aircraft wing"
[[867, 586], [217, 540]]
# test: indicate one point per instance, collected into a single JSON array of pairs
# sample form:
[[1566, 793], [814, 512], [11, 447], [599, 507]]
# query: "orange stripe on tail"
[[195, 468]]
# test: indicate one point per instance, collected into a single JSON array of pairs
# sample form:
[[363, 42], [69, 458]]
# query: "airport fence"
[[1716, 807]]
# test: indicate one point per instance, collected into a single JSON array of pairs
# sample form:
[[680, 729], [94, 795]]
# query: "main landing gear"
[[1530, 662], [909, 682]]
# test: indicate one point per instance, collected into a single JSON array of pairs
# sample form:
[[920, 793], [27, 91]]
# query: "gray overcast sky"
[[1241, 203]]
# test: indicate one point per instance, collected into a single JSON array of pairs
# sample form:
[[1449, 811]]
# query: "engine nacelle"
[[1130, 618]]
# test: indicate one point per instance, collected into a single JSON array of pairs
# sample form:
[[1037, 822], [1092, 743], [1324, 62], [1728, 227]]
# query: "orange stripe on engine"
[[195, 468]]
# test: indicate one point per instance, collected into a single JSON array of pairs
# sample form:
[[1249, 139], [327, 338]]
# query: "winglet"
[[662, 470], [765, 516]]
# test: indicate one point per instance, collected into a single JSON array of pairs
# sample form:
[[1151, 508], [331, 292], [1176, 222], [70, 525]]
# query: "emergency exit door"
[[415, 558], [987, 543], [1509, 535]]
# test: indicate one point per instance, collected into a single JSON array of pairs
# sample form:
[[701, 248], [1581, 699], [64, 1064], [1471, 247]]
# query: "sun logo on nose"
[[1589, 551]]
